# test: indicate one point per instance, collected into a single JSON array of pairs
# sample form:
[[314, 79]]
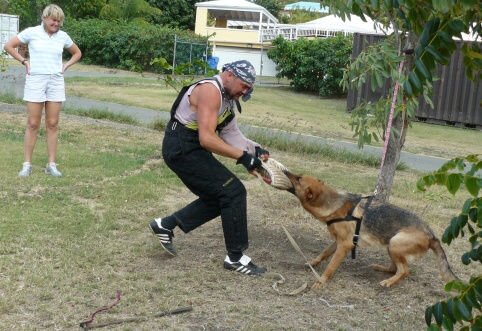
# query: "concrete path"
[[13, 81]]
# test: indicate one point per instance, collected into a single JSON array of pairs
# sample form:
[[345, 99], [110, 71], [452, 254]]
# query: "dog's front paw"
[[386, 283], [314, 262], [317, 286]]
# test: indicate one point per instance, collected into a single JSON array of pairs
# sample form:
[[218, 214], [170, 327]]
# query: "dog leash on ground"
[[87, 325], [281, 279]]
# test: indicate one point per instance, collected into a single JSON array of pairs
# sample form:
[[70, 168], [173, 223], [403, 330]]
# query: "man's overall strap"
[[183, 91]]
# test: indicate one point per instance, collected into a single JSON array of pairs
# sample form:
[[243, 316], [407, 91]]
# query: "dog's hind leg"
[[401, 273], [403, 248], [391, 269], [327, 252]]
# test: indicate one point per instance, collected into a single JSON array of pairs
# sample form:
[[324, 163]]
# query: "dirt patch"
[[351, 300]]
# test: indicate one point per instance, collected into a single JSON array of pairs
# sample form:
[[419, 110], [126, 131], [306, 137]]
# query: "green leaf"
[[450, 309], [466, 207], [473, 215], [423, 70], [441, 5], [470, 296], [478, 290], [438, 313], [456, 25], [441, 178], [453, 183], [375, 4], [447, 309], [424, 37], [447, 324], [468, 4], [428, 315], [407, 88], [456, 311], [421, 185], [373, 83], [460, 164], [472, 185], [438, 57], [445, 36], [417, 87], [464, 311]]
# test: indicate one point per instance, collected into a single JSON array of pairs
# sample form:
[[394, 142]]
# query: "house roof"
[[352, 25], [306, 5], [237, 10]]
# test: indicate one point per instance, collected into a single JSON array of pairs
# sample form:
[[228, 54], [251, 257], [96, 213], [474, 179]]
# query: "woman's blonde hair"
[[54, 12]]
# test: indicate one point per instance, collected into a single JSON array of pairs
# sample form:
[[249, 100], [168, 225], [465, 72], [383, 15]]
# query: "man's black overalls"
[[219, 191]]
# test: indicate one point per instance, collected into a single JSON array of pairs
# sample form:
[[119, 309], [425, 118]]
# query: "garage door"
[[231, 54]]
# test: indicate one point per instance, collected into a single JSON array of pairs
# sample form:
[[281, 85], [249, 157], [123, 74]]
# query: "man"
[[203, 122]]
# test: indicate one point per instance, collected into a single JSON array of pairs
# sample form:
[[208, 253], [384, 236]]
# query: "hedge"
[[128, 46]]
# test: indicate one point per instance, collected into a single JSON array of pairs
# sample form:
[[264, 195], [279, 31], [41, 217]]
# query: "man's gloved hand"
[[260, 152], [249, 161]]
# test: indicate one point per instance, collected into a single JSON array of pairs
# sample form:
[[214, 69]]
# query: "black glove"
[[249, 161], [260, 151]]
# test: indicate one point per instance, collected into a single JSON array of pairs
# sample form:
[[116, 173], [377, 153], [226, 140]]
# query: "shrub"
[[129, 46], [313, 65]]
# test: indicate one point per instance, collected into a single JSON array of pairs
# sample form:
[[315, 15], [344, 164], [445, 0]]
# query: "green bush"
[[313, 65], [129, 46]]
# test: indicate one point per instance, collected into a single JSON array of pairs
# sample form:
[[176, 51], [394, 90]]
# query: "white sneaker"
[[26, 169], [51, 169]]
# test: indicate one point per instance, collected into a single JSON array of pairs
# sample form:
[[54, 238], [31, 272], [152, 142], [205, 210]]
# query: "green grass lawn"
[[68, 244]]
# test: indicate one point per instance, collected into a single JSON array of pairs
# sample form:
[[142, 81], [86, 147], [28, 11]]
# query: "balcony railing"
[[297, 31]]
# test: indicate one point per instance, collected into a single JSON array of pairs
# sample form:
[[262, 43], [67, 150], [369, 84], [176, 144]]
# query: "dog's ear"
[[309, 193]]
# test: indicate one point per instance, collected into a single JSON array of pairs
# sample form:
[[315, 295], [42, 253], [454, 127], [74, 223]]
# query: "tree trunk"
[[394, 148], [392, 157]]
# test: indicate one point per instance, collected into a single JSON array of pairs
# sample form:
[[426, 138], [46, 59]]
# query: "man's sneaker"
[[26, 169], [164, 235], [51, 169], [244, 265]]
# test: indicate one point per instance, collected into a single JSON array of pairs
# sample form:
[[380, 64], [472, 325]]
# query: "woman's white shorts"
[[41, 88]]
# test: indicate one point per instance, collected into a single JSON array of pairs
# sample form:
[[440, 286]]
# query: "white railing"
[[297, 31]]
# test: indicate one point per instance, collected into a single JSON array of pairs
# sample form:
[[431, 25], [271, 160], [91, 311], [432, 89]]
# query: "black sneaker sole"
[[170, 250]]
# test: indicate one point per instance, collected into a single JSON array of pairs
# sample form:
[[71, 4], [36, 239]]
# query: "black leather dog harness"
[[350, 217]]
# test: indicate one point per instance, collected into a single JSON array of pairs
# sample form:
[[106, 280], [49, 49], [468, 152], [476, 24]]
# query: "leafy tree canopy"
[[128, 10], [30, 11], [273, 6], [176, 14]]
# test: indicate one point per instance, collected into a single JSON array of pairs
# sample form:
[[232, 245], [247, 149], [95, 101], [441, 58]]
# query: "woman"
[[44, 82]]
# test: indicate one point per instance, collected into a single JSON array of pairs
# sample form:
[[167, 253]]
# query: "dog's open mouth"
[[290, 177]]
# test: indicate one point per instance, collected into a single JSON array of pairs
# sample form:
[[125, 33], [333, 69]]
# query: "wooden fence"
[[456, 99]]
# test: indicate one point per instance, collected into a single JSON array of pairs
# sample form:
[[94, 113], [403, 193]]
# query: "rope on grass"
[[293, 243], [91, 319], [87, 325]]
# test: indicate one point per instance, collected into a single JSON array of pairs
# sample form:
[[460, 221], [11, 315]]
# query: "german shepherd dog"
[[406, 236]]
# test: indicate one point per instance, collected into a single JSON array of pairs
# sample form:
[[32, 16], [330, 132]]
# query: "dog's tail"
[[443, 264]]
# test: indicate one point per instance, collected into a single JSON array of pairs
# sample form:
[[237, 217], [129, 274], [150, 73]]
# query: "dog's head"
[[313, 194]]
